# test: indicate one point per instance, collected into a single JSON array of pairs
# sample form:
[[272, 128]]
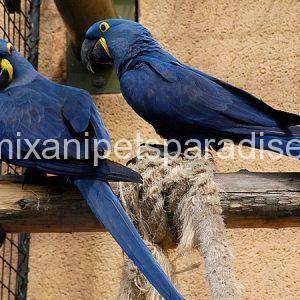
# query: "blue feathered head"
[[13, 66], [115, 41], [6, 68]]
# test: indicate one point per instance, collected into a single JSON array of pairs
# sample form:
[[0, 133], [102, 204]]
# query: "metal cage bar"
[[19, 24]]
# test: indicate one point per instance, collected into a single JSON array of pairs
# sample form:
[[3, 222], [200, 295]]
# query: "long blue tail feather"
[[109, 211]]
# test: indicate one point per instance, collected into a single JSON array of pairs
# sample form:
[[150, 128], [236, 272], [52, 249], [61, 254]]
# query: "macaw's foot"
[[169, 150], [161, 150], [178, 150]]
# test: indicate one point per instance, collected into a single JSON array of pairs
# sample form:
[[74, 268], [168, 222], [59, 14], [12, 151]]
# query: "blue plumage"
[[39, 109], [181, 102]]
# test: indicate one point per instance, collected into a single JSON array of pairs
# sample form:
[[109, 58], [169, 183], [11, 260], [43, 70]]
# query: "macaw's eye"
[[10, 48], [104, 26]]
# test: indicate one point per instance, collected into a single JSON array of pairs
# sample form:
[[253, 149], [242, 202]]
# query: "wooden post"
[[270, 200], [79, 15]]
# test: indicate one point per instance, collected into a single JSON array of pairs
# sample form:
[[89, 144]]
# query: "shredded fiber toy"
[[178, 201]]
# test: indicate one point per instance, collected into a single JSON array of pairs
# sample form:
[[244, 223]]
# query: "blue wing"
[[179, 100], [45, 110]]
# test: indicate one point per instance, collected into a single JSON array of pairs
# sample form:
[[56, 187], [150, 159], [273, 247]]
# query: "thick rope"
[[178, 201]]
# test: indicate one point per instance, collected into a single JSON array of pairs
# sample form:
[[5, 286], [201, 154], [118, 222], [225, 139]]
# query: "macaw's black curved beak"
[[94, 54], [6, 73], [4, 78]]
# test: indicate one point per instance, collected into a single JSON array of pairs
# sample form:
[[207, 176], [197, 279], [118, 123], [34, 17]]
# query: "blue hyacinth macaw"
[[33, 107], [181, 102]]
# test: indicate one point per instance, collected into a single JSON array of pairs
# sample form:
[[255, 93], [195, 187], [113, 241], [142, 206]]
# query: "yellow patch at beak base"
[[6, 65], [104, 45]]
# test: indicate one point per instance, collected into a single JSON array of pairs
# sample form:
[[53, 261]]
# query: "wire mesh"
[[19, 24]]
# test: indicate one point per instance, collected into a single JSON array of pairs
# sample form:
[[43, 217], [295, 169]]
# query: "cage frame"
[[20, 26]]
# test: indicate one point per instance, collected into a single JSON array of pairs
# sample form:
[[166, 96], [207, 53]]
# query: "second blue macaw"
[[35, 111], [183, 103]]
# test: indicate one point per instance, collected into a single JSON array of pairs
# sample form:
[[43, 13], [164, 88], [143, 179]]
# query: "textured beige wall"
[[252, 44]]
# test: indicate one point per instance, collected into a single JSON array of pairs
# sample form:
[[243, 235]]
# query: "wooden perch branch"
[[269, 200]]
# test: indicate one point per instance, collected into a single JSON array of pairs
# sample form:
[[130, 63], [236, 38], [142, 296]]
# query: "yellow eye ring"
[[104, 26], [10, 48]]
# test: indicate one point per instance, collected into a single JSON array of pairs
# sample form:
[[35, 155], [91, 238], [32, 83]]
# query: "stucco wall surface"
[[252, 44]]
